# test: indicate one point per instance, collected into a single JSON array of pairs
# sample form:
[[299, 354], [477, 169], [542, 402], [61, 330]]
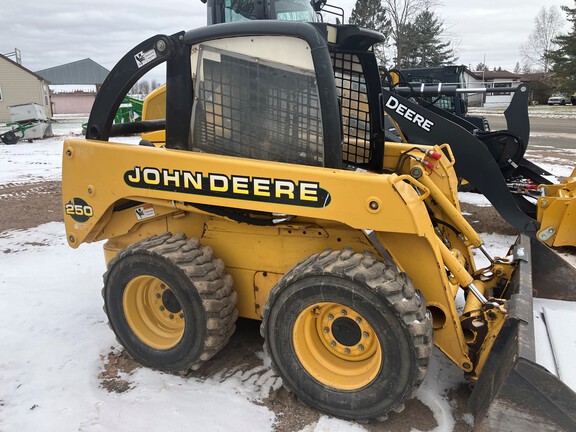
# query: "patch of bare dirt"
[[487, 220], [115, 366], [291, 414], [24, 206]]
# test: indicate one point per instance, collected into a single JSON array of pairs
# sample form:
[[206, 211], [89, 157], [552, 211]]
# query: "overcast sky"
[[55, 32]]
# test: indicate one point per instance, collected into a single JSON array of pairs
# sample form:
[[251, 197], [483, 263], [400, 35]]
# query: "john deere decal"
[[301, 193]]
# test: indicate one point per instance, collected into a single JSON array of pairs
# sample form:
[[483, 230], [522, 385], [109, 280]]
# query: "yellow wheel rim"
[[337, 346], [153, 312]]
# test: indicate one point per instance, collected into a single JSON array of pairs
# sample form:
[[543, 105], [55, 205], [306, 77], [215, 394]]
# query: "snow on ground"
[[55, 338], [31, 162], [559, 162], [474, 198]]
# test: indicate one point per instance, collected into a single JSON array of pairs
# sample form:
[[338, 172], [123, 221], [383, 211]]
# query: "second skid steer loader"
[[519, 190], [275, 197]]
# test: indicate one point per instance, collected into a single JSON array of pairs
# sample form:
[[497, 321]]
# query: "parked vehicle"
[[560, 99]]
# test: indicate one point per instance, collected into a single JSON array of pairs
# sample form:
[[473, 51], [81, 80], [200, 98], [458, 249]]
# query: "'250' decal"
[[78, 209]]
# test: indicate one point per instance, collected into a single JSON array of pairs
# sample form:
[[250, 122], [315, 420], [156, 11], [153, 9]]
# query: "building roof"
[[474, 74], [85, 71], [501, 74], [23, 68]]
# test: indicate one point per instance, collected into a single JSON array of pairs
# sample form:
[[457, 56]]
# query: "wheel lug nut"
[[344, 313], [326, 330], [365, 334], [171, 316], [330, 317], [162, 286], [332, 344], [346, 351], [358, 320], [158, 296], [181, 315], [161, 308], [360, 347]]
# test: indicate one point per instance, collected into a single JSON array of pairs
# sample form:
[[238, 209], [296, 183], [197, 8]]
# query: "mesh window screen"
[[352, 91], [249, 108]]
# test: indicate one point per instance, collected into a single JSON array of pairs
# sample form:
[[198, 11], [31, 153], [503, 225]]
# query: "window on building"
[[46, 95], [0, 93]]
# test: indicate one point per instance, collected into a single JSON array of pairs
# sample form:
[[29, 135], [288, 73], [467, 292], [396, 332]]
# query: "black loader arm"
[[517, 120], [137, 62], [473, 160]]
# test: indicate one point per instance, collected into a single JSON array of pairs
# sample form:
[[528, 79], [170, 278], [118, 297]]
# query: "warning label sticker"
[[145, 212], [145, 57]]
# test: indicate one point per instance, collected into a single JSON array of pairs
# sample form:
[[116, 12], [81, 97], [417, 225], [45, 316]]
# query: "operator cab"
[[224, 11]]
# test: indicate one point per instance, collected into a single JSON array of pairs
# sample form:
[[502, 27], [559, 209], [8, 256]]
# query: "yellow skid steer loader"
[[275, 197]]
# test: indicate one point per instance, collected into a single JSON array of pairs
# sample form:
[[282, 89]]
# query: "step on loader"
[[275, 197]]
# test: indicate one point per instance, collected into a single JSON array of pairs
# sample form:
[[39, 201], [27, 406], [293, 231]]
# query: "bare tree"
[[401, 13], [547, 24]]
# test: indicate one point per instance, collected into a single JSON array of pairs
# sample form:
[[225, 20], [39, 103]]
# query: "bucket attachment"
[[557, 213], [513, 391]]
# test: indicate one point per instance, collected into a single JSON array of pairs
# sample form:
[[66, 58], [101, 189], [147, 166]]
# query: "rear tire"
[[348, 334], [169, 302]]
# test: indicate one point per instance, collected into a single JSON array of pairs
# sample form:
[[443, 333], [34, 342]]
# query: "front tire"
[[348, 334], [169, 302]]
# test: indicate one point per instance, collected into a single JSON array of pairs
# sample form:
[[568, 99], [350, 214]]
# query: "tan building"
[[18, 86]]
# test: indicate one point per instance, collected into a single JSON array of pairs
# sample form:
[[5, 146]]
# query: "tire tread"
[[383, 279], [210, 279]]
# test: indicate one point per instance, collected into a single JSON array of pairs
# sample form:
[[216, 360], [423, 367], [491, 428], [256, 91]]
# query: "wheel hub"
[[346, 331], [337, 346], [170, 302], [153, 312]]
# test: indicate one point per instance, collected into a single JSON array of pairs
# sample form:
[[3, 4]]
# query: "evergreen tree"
[[481, 67], [563, 59], [371, 14], [423, 45]]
